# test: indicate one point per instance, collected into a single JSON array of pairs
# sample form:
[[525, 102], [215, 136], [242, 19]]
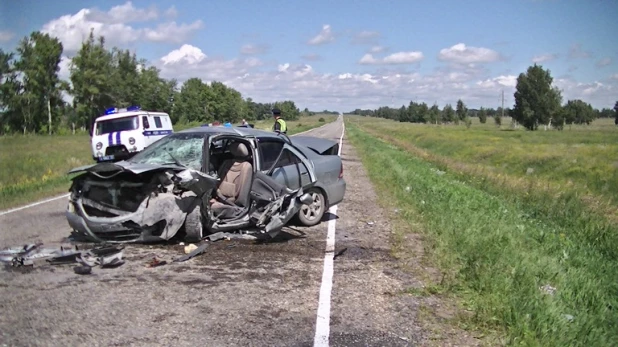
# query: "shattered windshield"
[[117, 124], [178, 149]]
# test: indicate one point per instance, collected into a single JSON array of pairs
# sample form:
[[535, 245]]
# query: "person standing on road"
[[279, 126]]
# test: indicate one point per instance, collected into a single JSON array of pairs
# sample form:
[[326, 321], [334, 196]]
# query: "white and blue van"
[[121, 133]]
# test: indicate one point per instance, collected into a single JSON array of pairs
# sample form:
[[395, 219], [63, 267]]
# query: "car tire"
[[310, 215], [194, 228]]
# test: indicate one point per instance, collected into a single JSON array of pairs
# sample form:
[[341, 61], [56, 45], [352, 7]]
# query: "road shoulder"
[[376, 266]]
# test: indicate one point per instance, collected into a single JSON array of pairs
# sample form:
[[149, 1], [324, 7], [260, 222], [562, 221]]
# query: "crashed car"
[[206, 180]]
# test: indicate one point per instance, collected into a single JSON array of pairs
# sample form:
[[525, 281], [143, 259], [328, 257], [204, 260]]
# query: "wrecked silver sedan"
[[206, 180]]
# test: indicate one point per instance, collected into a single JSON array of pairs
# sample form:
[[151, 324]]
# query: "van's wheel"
[[310, 215], [194, 227]]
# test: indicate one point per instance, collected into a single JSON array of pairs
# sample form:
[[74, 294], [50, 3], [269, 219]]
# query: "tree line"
[[536, 103], [32, 96], [421, 112]]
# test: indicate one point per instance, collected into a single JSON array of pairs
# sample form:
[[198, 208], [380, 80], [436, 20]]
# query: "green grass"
[[497, 246], [585, 157], [35, 166]]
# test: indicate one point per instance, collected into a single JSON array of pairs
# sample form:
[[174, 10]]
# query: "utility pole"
[[502, 103]]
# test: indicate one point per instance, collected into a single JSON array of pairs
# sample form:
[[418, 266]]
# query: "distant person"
[[244, 123], [279, 126]]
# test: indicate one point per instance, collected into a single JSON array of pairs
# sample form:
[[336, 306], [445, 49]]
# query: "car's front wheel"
[[311, 214], [194, 227]]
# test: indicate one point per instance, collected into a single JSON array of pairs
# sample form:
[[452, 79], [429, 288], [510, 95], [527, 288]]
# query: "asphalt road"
[[237, 293]]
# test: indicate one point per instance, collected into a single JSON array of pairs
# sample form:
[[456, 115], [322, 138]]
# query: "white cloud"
[[598, 94], [250, 49], [6, 35], [346, 90], [324, 36], [126, 13], [73, 29], [403, 58], [64, 72], [395, 58], [544, 57], [604, 62], [498, 82], [172, 32], [171, 12], [377, 49], [462, 54], [185, 54]]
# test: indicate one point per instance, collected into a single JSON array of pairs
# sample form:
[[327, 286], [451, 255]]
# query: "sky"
[[348, 54]]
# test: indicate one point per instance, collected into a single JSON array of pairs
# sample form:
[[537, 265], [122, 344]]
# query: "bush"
[[321, 120]]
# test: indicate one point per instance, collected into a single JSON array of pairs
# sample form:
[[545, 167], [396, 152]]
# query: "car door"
[[284, 163], [280, 182]]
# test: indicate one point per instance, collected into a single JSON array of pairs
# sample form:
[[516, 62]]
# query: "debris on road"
[[340, 253], [156, 262], [27, 255], [197, 251], [82, 270], [229, 236], [190, 248]]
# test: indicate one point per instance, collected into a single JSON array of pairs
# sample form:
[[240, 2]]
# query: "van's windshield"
[[117, 124]]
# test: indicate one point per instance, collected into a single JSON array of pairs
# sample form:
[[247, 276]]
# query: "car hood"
[[136, 168]]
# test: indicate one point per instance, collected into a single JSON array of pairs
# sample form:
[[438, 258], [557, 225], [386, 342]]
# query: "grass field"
[[34, 167], [529, 248]]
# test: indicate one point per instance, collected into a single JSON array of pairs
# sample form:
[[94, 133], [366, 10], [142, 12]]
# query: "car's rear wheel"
[[311, 214], [194, 227]]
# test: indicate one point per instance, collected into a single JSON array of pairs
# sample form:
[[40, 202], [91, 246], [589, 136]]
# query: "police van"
[[121, 133]]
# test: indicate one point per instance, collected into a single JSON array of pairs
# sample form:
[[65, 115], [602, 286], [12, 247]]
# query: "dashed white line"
[[33, 204], [322, 325]]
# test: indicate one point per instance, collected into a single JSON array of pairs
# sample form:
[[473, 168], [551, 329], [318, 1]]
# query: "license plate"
[[106, 158]]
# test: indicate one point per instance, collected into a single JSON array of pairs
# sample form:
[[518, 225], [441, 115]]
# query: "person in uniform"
[[279, 126]]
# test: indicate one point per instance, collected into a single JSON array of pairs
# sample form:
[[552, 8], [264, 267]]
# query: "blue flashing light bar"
[[114, 110]]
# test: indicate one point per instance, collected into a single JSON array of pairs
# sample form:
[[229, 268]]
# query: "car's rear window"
[[117, 124]]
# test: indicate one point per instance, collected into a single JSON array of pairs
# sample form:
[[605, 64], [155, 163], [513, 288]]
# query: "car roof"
[[242, 131], [130, 114]]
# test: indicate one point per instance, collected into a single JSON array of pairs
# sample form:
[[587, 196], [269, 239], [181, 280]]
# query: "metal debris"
[[229, 236], [27, 255], [547, 289]]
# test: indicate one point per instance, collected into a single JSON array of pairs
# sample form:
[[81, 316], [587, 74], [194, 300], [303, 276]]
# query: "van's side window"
[[158, 122], [145, 121]]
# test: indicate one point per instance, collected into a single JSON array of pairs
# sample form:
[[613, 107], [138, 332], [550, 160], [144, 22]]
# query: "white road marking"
[[33, 204], [322, 325]]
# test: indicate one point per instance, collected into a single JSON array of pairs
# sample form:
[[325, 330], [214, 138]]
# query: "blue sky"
[[347, 54]]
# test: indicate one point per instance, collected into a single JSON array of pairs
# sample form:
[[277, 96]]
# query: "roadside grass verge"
[[536, 274], [33, 167], [583, 158]]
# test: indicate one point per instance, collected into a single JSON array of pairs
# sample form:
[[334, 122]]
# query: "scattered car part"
[[199, 250], [82, 270]]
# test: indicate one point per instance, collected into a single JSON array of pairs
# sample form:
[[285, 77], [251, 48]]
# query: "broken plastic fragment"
[[190, 248]]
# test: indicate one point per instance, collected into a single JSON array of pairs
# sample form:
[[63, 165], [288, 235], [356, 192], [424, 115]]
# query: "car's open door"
[[278, 202]]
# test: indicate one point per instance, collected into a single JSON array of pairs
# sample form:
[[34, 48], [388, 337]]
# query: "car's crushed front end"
[[123, 202]]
